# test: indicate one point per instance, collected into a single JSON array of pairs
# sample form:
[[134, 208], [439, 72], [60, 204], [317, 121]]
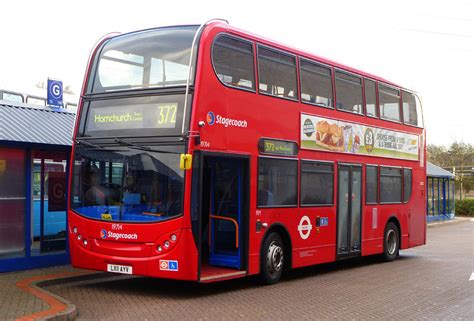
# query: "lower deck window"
[[317, 183], [371, 184], [406, 184], [277, 182], [390, 185]]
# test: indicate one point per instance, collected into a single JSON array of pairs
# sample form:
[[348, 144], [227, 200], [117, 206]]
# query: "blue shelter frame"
[[440, 193]]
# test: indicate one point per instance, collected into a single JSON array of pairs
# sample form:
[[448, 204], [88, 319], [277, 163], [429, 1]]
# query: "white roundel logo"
[[305, 227]]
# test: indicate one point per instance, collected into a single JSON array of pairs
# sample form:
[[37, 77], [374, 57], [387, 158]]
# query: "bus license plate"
[[119, 269]]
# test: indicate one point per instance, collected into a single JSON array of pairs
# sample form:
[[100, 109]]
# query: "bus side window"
[[410, 110], [277, 182], [370, 98], [277, 73], [317, 183], [390, 185], [371, 184], [316, 84], [233, 62], [407, 182], [389, 103], [348, 92]]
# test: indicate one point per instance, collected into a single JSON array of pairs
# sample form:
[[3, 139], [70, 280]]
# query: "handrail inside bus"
[[218, 217], [190, 66]]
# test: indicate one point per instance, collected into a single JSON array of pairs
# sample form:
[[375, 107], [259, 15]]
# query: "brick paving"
[[428, 282], [14, 302]]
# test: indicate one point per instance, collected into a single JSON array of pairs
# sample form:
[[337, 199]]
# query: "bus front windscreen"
[[146, 59], [127, 184]]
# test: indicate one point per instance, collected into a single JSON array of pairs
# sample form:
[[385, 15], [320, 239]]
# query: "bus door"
[[226, 212], [349, 208]]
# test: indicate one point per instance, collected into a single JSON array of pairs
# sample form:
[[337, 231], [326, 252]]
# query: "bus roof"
[[299, 52]]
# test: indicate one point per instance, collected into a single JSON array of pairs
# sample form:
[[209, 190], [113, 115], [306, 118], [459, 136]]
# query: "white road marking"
[[472, 219], [472, 277]]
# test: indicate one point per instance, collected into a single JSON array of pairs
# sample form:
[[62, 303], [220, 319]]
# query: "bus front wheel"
[[391, 243], [272, 259]]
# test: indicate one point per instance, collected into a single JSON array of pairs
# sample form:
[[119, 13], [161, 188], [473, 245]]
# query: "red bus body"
[[265, 116]]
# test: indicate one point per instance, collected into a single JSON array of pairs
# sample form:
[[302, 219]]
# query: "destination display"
[[140, 116], [277, 147], [319, 133]]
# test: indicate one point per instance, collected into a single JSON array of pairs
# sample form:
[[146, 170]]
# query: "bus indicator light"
[[185, 161]]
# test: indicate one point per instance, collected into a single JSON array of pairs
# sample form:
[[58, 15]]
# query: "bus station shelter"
[[35, 144], [440, 193]]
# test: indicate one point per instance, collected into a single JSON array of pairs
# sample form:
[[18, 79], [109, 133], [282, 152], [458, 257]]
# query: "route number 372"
[[167, 114]]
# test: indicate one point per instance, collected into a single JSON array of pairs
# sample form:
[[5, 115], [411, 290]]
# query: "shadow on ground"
[[175, 289]]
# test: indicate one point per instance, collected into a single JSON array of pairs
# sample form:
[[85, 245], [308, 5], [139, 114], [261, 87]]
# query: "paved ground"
[[19, 297], [429, 282]]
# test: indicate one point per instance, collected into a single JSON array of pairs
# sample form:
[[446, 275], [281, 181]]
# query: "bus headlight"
[[173, 237], [166, 244], [159, 248]]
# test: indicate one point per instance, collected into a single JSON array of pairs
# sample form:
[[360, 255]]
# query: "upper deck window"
[[370, 100], [277, 73], [145, 59], [348, 92], [389, 103], [233, 62], [411, 109], [316, 84]]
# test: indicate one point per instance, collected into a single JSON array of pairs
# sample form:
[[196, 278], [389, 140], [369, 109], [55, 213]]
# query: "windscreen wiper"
[[83, 142], [144, 148], [86, 143]]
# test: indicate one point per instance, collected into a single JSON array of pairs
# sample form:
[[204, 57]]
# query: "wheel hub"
[[274, 257], [391, 242]]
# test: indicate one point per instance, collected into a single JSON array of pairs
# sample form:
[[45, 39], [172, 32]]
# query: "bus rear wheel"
[[391, 243], [272, 259]]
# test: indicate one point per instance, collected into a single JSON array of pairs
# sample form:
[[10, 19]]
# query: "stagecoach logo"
[[117, 236], [226, 122], [305, 227], [210, 118]]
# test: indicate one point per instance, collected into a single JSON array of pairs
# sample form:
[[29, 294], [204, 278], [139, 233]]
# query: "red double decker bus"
[[208, 153]]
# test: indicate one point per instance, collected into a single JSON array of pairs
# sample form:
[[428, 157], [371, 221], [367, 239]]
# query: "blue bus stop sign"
[[55, 93]]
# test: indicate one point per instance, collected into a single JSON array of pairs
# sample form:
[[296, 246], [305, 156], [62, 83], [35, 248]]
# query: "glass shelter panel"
[[12, 202]]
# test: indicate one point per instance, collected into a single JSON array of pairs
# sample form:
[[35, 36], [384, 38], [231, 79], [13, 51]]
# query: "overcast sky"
[[424, 45]]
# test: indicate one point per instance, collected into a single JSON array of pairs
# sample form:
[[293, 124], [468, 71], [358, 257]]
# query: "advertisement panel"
[[326, 134]]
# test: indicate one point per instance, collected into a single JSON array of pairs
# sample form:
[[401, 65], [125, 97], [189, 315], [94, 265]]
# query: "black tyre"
[[391, 242], [272, 259]]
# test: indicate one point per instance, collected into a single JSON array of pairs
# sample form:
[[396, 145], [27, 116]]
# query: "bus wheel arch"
[[275, 233], [391, 239]]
